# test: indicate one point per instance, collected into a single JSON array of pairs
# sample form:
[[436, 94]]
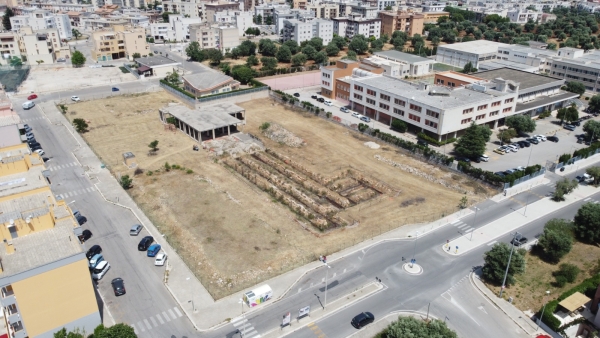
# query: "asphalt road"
[[147, 305]]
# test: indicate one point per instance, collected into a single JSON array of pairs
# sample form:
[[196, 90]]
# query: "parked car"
[[97, 258], [516, 145], [153, 250], [145, 243], [533, 140], [39, 152], [512, 148], [365, 118], [540, 137], [160, 260], [344, 110], [35, 145], [553, 139], [297, 94], [94, 250], [500, 173], [484, 158], [61, 60], [357, 115], [524, 144], [81, 219], [569, 127], [519, 241], [583, 178], [462, 159], [576, 123], [75, 98], [32, 97], [118, 286], [328, 103], [520, 168], [28, 105], [422, 143], [115, 89], [509, 171], [100, 270], [314, 97], [362, 319], [321, 99], [500, 150], [135, 230], [85, 235]]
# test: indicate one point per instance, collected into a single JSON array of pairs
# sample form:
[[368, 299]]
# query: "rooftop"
[[152, 61], [18, 183], [542, 101], [205, 118], [475, 47], [207, 78], [498, 63], [396, 55], [526, 80], [9, 136]]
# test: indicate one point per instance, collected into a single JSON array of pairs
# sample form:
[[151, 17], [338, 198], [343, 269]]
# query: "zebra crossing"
[[27, 120], [62, 166], [75, 193], [462, 226], [246, 329], [147, 324]]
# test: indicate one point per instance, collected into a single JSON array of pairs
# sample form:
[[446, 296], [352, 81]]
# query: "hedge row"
[[588, 151], [431, 140], [177, 89]]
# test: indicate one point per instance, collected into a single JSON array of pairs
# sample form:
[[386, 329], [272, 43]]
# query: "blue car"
[[153, 250], [115, 89]]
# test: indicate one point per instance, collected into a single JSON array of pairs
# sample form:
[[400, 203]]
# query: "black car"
[[94, 250], [576, 123], [519, 242], [422, 143], [462, 159], [314, 97], [552, 138], [569, 127], [145, 243], [297, 94], [81, 219], [362, 319], [85, 235], [321, 99], [35, 145], [533, 140], [500, 173], [118, 286]]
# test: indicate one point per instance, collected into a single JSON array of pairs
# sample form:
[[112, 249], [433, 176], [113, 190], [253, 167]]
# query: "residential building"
[[222, 37], [43, 45], [330, 87], [119, 42], [591, 7], [95, 22], [211, 8], [304, 30], [408, 22], [41, 252], [42, 19], [433, 6], [383, 4], [411, 65], [9, 47], [209, 82], [459, 54], [324, 10], [432, 17], [523, 16], [288, 14], [267, 12], [360, 9], [353, 24], [190, 8], [242, 20], [176, 29]]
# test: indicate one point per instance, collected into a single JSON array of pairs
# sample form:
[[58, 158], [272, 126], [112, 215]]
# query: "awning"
[[574, 301], [144, 69]]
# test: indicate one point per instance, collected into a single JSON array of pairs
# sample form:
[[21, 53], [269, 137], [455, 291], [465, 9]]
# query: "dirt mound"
[[279, 134]]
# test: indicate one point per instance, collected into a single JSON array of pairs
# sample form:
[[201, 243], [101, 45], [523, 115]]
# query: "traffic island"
[[413, 269]]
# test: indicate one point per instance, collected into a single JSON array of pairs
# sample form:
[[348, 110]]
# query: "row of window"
[[327, 75], [325, 83]]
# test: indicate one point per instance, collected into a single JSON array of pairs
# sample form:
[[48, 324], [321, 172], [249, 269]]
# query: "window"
[[356, 96], [415, 107], [398, 111], [384, 97], [494, 113], [371, 92], [482, 107], [431, 124], [509, 100], [326, 83], [497, 103], [466, 120], [506, 110], [384, 106], [370, 101], [466, 111], [480, 117], [400, 102], [414, 117], [433, 114], [359, 88]]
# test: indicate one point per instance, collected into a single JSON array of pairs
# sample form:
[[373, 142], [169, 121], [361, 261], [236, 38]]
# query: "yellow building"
[[119, 42], [45, 283]]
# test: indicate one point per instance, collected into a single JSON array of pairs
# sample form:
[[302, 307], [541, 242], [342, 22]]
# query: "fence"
[[132, 71], [525, 178], [231, 94], [12, 77], [557, 166], [182, 96]]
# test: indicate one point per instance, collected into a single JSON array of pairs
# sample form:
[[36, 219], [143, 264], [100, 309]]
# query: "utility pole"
[[508, 265]]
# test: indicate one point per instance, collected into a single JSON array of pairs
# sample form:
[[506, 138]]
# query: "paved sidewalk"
[[372, 329], [489, 232], [587, 162], [519, 188]]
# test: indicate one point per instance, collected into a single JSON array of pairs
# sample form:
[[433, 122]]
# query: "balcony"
[[16, 330], [7, 291]]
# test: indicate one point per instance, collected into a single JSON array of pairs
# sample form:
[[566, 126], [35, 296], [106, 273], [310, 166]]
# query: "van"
[[28, 104], [328, 103]]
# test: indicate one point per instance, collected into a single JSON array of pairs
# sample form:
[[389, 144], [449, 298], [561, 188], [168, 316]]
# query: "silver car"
[[135, 230]]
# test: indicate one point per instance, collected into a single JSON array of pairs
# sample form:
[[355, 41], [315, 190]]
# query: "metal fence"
[[232, 94], [189, 100], [525, 178], [557, 166], [12, 77], [132, 71]]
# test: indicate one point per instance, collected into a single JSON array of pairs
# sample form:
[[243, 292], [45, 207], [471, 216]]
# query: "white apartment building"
[[304, 30], [242, 20], [382, 4], [589, 6], [353, 24], [364, 10], [289, 14], [9, 47], [523, 16], [268, 10], [222, 37], [190, 8], [324, 10], [42, 45], [176, 29], [433, 6], [42, 19]]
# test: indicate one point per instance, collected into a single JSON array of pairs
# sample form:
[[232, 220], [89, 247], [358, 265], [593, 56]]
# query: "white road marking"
[[172, 314], [455, 221], [159, 317], [463, 226], [299, 289], [153, 321], [344, 271], [492, 243], [147, 324], [587, 199], [179, 314], [135, 329], [166, 316]]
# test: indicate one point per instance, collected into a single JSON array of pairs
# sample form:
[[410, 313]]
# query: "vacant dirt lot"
[[43, 78], [231, 233]]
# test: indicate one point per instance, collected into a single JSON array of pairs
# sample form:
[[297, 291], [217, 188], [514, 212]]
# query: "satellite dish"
[[28, 219], [11, 221]]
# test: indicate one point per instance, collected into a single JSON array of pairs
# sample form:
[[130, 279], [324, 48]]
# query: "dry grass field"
[[231, 233]]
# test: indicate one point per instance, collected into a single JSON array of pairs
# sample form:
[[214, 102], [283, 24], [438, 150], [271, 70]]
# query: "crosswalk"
[[147, 324], [246, 329], [76, 192], [32, 119], [62, 166], [591, 200], [462, 226]]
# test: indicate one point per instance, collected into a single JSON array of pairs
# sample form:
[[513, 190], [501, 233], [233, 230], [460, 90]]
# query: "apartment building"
[[330, 74], [211, 8], [353, 25], [119, 42], [290, 14], [383, 4], [433, 6], [408, 22], [41, 252], [9, 47], [242, 20], [189, 8], [521, 16], [42, 19], [176, 29], [267, 11], [42, 45], [591, 7], [222, 37], [304, 30], [324, 10], [360, 9]]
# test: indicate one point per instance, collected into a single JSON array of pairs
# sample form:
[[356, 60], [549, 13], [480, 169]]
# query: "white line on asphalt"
[[463, 226], [457, 224], [153, 321], [179, 314], [172, 314], [344, 271], [166, 316], [587, 199], [492, 243], [455, 221], [299, 289], [239, 322], [311, 285], [246, 327], [322, 280], [141, 326], [147, 324], [135, 329], [250, 334], [160, 319], [335, 273]]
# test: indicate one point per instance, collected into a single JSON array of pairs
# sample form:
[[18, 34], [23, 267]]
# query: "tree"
[[258, 19], [557, 239], [415, 328], [268, 63], [194, 52], [116, 331], [592, 129], [16, 61], [529, 26], [268, 20], [77, 59], [252, 60], [284, 54], [567, 114], [388, 8], [359, 44], [80, 125], [496, 260], [332, 49], [62, 333], [299, 59], [309, 51], [39, 62], [125, 182], [8, 13], [321, 58], [153, 145], [521, 123], [567, 273], [339, 41], [468, 68], [172, 78], [399, 125], [587, 223], [575, 87], [165, 16], [505, 135], [242, 73], [267, 47], [251, 31], [317, 43], [246, 48], [350, 55], [75, 33], [435, 41], [214, 55], [293, 46], [595, 173], [377, 44], [136, 56], [472, 143], [564, 187], [594, 104]]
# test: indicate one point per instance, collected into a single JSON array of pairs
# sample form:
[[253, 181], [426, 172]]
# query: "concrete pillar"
[[213, 134], [454, 135], [228, 130], [377, 115], [495, 124], [439, 138]]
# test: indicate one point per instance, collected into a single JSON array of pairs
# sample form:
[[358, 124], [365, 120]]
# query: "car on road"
[[422, 143], [540, 137], [524, 144], [328, 103], [153, 250], [135, 230], [365, 118], [321, 99], [160, 260], [32, 97], [315, 97], [75, 98], [583, 178], [519, 241], [297, 94], [39, 152], [344, 110], [28, 105], [553, 139], [100, 270], [94, 250], [85, 235], [357, 115], [115, 89], [533, 140], [95, 260], [35, 145], [118, 286], [145, 243], [569, 127], [576, 123], [362, 319]]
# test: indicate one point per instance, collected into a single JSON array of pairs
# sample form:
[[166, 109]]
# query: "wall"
[[284, 82]]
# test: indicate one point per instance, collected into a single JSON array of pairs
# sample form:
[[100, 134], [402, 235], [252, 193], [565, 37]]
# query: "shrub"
[[177, 89], [264, 126], [431, 140], [399, 125], [564, 158], [167, 166], [125, 182], [189, 171]]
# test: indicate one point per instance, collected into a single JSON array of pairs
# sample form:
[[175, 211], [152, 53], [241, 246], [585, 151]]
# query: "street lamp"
[[527, 202], [474, 222], [508, 265], [414, 250], [543, 309], [326, 275], [243, 334], [192, 301]]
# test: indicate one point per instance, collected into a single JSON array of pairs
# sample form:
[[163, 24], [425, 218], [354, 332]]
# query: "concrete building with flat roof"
[[209, 82], [414, 65], [301, 30], [408, 22], [156, 65], [354, 24], [459, 54]]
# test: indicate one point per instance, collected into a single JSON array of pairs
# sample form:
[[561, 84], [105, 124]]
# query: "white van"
[[28, 104], [328, 103], [258, 296]]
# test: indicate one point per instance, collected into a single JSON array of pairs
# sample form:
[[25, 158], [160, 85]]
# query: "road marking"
[[462, 226], [166, 316], [160, 319], [178, 312], [587, 199], [344, 271], [492, 243], [147, 324], [135, 329], [335, 273], [311, 285], [235, 320], [322, 280], [457, 224], [153, 322], [469, 230], [299, 289], [455, 221], [241, 322], [250, 334], [172, 314]]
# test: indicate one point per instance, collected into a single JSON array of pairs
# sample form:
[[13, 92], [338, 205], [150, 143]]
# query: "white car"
[[39, 152], [540, 137], [75, 98], [513, 148], [484, 158], [357, 115], [100, 270], [160, 259], [344, 110]]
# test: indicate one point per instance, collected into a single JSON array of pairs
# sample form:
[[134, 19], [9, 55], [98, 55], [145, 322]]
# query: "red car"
[[31, 97]]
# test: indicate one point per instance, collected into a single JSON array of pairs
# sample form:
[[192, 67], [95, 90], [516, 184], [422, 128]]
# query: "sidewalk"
[[372, 329], [579, 165], [519, 188]]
